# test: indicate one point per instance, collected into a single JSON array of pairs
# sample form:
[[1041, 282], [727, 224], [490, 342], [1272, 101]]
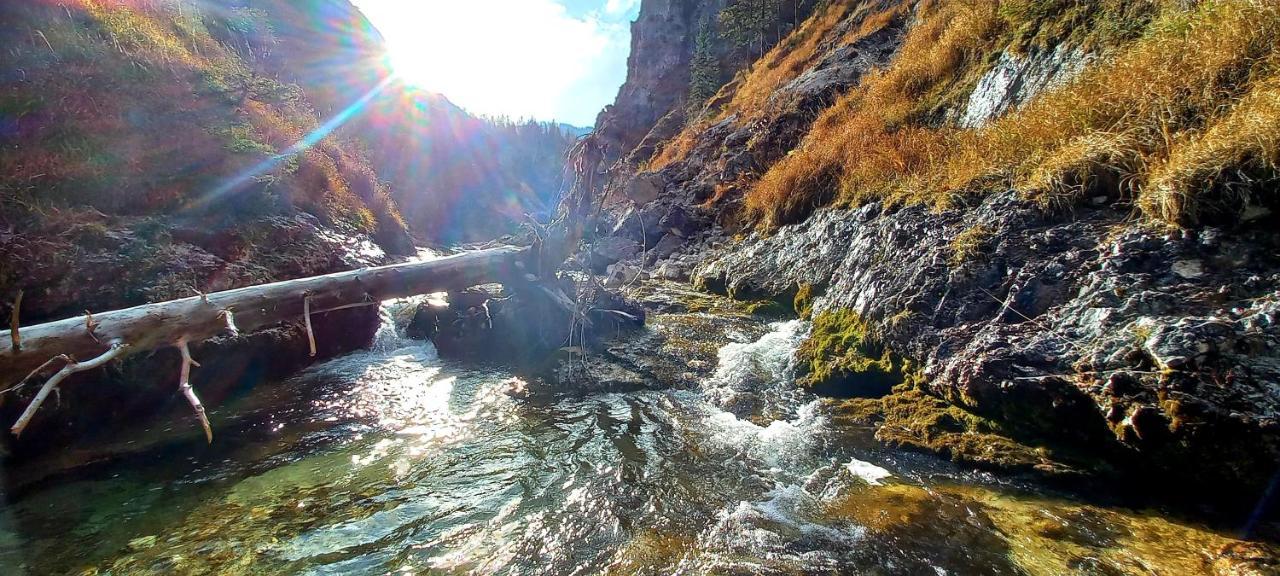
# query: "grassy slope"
[[145, 107], [1178, 112], [144, 148]]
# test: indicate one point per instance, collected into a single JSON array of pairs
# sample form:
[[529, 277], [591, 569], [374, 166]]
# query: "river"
[[393, 460]]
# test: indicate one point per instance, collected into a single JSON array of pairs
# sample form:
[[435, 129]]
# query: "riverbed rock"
[[1076, 329]]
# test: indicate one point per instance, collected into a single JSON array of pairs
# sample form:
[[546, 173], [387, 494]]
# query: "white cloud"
[[620, 7], [520, 58]]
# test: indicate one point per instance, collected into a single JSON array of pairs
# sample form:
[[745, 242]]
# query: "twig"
[[184, 384], [14, 323], [117, 348], [348, 307], [306, 314], [23, 382], [90, 326]]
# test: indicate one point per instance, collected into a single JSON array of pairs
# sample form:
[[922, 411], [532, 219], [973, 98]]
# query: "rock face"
[[1015, 79], [657, 71], [662, 45], [1159, 349], [726, 151], [1069, 340]]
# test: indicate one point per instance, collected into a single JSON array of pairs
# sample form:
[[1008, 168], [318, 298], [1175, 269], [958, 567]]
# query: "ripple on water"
[[393, 460]]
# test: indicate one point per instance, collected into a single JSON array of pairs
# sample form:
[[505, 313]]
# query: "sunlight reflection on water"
[[394, 461]]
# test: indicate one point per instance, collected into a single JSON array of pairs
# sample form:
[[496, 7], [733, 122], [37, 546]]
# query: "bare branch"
[[184, 384], [117, 348], [306, 315], [23, 382]]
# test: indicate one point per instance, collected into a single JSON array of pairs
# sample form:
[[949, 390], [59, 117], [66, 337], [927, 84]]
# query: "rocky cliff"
[[663, 44], [1032, 236]]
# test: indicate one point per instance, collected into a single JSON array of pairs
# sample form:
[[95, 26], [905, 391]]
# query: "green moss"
[[803, 301], [857, 411], [915, 419], [843, 358], [767, 308]]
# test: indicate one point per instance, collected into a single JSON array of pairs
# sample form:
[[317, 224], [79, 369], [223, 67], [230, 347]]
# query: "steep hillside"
[[455, 177], [154, 149], [147, 155], [1032, 235], [156, 144]]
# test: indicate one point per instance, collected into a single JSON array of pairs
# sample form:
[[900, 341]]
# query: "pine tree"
[[704, 70], [747, 22]]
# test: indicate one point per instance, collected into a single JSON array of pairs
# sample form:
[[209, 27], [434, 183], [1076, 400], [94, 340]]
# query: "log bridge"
[[108, 336]]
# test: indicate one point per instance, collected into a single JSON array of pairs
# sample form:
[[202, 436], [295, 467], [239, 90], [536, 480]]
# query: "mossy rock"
[[915, 419], [767, 309], [803, 301], [843, 358], [857, 411]]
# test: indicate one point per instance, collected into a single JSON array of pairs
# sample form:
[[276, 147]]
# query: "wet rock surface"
[[1016, 78], [1154, 349]]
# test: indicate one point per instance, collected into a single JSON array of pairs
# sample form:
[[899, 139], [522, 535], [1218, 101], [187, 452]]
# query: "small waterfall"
[[756, 379], [390, 336]]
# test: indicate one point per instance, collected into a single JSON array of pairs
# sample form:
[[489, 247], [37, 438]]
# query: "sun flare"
[[515, 58]]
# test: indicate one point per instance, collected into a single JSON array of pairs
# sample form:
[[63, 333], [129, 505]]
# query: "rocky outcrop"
[[657, 71], [1016, 78], [1059, 338], [1157, 351], [674, 200], [663, 39]]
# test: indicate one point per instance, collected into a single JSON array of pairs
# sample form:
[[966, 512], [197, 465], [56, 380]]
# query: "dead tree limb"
[[184, 384], [306, 316], [199, 318], [115, 351]]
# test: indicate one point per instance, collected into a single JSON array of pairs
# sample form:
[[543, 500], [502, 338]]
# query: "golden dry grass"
[[748, 96], [1165, 118]]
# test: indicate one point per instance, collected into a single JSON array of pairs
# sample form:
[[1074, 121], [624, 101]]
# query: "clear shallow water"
[[394, 461]]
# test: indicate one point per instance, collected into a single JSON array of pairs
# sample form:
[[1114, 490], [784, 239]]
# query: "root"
[[306, 314], [117, 348], [184, 384]]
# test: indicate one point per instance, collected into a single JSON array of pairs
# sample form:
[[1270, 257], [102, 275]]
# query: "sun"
[[514, 58]]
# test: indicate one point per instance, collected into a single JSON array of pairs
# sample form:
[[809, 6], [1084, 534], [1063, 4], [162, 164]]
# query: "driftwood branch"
[[198, 318], [306, 316], [184, 384], [115, 351]]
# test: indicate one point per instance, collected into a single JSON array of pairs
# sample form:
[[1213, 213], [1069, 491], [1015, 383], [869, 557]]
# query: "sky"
[[559, 60]]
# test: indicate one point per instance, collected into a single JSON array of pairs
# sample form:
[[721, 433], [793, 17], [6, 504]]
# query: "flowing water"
[[395, 461]]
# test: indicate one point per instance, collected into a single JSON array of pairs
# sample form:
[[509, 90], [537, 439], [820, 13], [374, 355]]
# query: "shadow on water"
[[392, 460]]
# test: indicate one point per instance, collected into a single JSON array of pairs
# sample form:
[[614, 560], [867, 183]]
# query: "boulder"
[[667, 246], [611, 250], [620, 274], [645, 188]]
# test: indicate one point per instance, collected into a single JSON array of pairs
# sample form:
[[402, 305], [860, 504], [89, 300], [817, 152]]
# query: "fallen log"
[[112, 335]]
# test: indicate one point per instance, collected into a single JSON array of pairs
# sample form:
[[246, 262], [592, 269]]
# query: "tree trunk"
[[171, 323]]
